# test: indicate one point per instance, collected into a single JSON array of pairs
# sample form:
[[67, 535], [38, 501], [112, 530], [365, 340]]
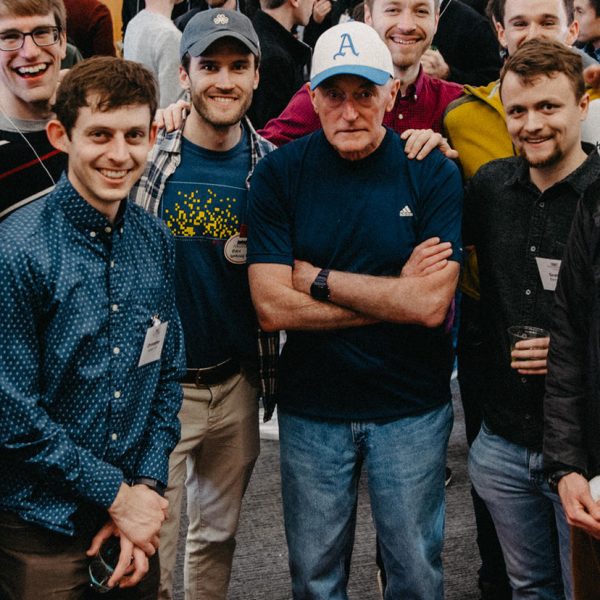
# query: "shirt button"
[[114, 437], [542, 204], [108, 229], [416, 97], [532, 248], [401, 116], [115, 307], [523, 379], [528, 292], [92, 234], [121, 230], [112, 264], [116, 350], [117, 394]]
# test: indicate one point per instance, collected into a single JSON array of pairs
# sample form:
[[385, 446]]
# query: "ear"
[[256, 78], [368, 17], [184, 78], [57, 135], [500, 33], [152, 134], [394, 88], [313, 99], [63, 45], [584, 105], [573, 33]]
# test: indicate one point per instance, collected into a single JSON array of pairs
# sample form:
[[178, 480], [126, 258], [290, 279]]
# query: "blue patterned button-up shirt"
[[78, 416]]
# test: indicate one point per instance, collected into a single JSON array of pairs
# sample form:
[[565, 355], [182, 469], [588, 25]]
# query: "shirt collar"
[[579, 179], [413, 91], [80, 212]]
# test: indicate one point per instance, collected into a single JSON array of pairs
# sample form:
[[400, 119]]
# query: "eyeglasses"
[[41, 36]]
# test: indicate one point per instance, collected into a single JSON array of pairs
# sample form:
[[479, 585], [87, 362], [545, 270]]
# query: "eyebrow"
[[544, 16]]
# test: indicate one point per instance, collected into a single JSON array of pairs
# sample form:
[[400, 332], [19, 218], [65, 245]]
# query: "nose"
[[30, 48], [224, 79], [533, 121], [349, 113], [405, 21], [118, 151], [534, 32]]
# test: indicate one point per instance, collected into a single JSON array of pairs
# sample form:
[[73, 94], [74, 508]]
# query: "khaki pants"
[[217, 451], [585, 552], [36, 563]]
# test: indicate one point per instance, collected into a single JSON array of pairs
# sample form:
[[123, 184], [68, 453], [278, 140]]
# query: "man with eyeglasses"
[[32, 44], [359, 265]]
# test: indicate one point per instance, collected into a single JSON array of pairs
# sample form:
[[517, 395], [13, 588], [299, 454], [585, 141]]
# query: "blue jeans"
[[321, 463], [529, 517]]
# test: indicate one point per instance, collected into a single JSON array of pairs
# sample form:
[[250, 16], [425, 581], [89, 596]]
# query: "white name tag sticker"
[[153, 343], [548, 268]]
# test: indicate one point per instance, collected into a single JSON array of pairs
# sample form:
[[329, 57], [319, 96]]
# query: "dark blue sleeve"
[[269, 215], [441, 203]]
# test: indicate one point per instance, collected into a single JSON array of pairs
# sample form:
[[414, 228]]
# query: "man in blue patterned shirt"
[[91, 352]]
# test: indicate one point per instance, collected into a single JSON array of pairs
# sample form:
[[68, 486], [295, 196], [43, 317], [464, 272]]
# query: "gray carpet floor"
[[260, 569]]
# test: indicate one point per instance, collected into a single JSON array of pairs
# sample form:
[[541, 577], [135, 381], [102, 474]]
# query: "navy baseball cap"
[[208, 26]]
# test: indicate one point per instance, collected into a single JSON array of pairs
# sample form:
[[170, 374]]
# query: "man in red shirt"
[[407, 27]]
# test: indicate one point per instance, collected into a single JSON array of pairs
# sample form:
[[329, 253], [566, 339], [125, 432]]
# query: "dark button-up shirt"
[[511, 224], [78, 416]]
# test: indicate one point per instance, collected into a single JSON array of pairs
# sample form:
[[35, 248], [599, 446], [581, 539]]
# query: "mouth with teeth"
[[403, 41], [28, 71], [536, 141], [113, 174], [223, 99]]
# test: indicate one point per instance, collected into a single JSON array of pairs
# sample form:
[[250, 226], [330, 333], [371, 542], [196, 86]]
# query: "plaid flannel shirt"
[[163, 160]]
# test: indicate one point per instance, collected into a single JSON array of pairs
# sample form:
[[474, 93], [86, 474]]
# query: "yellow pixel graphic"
[[195, 216]]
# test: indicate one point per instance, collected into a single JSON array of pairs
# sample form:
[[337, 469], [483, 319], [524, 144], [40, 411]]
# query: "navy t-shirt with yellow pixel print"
[[204, 206]]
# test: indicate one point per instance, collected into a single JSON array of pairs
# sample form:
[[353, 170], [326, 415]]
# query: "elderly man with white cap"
[[354, 250]]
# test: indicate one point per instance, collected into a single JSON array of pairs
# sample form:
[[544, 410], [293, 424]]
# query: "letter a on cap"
[[346, 44]]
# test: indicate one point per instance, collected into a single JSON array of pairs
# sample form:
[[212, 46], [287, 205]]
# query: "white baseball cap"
[[351, 48]]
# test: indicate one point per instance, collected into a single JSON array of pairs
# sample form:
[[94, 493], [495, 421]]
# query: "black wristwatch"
[[153, 484], [319, 289]]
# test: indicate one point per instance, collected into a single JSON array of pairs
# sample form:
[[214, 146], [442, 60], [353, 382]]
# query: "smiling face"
[[406, 26], [543, 118], [351, 111], [221, 82], [589, 22], [107, 152], [535, 19], [29, 76]]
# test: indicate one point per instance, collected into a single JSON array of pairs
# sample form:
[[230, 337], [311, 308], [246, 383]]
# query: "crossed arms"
[[420, 295]]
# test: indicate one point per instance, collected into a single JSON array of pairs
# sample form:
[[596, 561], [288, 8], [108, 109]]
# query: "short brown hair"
[[115, 81], [496, 10], [545, 57], [35, 8]]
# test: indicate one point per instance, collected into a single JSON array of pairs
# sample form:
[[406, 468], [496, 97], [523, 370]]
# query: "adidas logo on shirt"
[[406, 212]]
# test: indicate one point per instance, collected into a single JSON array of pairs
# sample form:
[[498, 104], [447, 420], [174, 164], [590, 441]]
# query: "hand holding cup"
[[529, 349]]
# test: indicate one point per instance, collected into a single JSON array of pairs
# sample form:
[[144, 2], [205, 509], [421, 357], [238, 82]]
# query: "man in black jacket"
[[571, 405]]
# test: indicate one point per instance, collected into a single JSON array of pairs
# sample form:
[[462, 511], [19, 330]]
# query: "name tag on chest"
[[548, 268], [153, 343]]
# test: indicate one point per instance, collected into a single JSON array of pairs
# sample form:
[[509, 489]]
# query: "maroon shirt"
[[422, 107], [90, 27]]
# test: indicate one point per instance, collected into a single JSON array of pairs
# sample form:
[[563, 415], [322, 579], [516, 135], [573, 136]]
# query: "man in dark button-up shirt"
[[518, 214], [91, 351]]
